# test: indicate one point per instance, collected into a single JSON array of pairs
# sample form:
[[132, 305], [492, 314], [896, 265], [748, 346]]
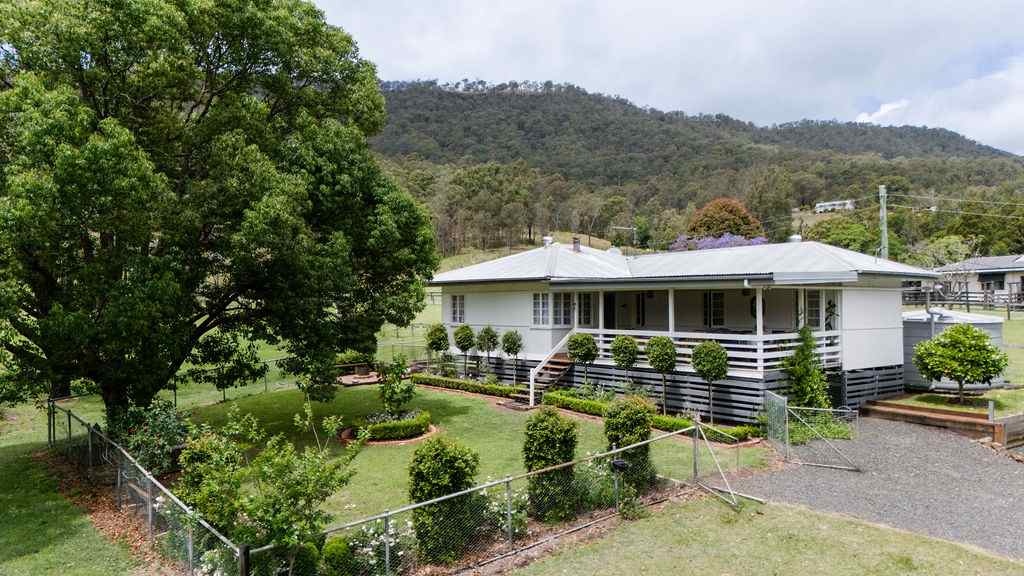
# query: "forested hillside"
[[497, 164]]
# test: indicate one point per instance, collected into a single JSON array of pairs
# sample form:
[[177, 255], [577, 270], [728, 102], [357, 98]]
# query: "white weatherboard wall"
[[503, 309], [872, 328]]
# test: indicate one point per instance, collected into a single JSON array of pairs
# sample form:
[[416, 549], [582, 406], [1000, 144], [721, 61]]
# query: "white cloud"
[[989, 109], [762, 61]]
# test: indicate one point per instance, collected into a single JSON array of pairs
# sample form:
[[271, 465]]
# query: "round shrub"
[[550, 439], [627, 422], [661, 354], [711, 362], [307, 560], [152, 435], [337, 558], [487, 342], [437, 339], [512, 345], [583, 349], [465, 340], [624, 352], [443, 530]]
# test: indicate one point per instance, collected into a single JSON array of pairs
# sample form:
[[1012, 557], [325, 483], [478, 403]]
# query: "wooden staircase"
[[547, 376]]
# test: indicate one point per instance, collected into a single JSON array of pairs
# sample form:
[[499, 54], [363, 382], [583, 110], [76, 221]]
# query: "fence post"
[[615, 478], [508, 507], [991, 410], [49, 422], [244, 567], [188, 546], [387, 542], [149, 506], [696, 452], [67, 446], [89, 433], [117, 482]]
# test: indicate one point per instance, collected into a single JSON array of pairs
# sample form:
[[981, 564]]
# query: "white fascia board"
[[814, 277]]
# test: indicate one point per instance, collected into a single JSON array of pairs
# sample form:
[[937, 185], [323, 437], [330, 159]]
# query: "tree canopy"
[[201, 183]]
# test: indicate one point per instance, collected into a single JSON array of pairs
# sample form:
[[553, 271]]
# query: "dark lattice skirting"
[[736, 399]]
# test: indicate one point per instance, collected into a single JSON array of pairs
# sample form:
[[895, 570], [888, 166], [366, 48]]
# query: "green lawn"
[[495, 433], [1007, 402], [705, 537]]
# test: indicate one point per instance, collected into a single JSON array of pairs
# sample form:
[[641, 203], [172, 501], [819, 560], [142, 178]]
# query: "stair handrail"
[[551, 354]]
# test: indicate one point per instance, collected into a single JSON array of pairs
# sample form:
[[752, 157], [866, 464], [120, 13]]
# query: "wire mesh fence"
[[810, 436], [184, 539], [495, 521], [489, 523]]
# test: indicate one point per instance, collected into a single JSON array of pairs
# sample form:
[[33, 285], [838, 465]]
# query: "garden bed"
[[499, 390]]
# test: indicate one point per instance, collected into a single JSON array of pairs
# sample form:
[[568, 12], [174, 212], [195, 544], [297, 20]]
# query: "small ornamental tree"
[[550, 440], [724, 216], [583, 349], [711, 363], [395, 389], [624, 352], [512, 345], [465, 340], [661, 354], [437, 339], [443, 530], [627, 422], [487, 342], [807, 385], [961, 353]]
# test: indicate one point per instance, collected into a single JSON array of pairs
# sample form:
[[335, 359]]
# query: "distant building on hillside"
[[997, 275], [832, 206]]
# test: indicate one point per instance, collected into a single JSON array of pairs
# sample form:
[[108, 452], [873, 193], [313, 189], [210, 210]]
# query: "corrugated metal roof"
[[982, 263], [791, 262]]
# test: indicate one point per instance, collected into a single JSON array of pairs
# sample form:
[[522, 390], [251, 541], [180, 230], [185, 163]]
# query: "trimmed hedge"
[[400, 429], [658, 421], [582, 405], [464, 385], [670, 423]]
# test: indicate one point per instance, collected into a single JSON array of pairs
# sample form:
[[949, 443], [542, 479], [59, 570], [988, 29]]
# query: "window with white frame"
[[586, 303], [812, 308], [540, 309], [458, 308], [714, 309], [563, 308]]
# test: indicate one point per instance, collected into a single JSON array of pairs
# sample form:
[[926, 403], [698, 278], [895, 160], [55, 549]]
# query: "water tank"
[[917, 326]]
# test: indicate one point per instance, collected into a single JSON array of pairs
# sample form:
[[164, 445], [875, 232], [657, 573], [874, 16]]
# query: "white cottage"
[[751, 299]]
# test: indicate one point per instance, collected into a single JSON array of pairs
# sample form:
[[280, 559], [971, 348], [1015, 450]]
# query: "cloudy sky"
[[958, 65]]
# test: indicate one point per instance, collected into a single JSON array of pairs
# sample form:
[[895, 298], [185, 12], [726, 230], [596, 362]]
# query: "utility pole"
[[883, 222]]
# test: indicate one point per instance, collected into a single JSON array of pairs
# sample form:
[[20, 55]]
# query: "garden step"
[[963, 424]]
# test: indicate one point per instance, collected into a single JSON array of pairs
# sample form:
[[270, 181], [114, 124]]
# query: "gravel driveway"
[[921, 479]]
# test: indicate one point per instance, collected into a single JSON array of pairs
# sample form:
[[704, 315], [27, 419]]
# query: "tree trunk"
[[711, 405]]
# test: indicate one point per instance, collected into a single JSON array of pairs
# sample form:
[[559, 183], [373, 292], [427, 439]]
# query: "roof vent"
[[575, 243], [795, 238], [547, 241]]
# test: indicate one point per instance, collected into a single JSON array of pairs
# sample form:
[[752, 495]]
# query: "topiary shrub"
[[807, 384], [661, 354], [437, 341], [307, 560], [512, 345], [711, 362], [337, 558], [627, 422], [395, 389], [445, 529], [550, 439], [564, 399], [465, 340], [624, 352], [487, 342], [962, 353], [582, 349], [409, 425], [466, 385]]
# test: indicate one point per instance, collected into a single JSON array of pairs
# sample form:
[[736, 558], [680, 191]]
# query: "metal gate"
[[808, 435]]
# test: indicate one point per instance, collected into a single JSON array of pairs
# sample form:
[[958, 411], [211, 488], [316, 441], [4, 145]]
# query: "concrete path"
[[917, 478]]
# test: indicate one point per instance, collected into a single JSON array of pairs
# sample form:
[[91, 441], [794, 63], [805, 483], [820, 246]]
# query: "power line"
[[947, 199], [961, 212]]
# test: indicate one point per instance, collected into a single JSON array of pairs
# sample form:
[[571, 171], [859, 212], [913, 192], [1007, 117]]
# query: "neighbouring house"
[[751, 299], [984, 278]]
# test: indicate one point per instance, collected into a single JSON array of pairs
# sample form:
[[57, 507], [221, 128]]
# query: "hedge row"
[[658, 421], [400, 429], [574, 403], [464, 385]]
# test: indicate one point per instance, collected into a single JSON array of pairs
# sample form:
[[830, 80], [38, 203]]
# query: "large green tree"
[[180, 179]]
